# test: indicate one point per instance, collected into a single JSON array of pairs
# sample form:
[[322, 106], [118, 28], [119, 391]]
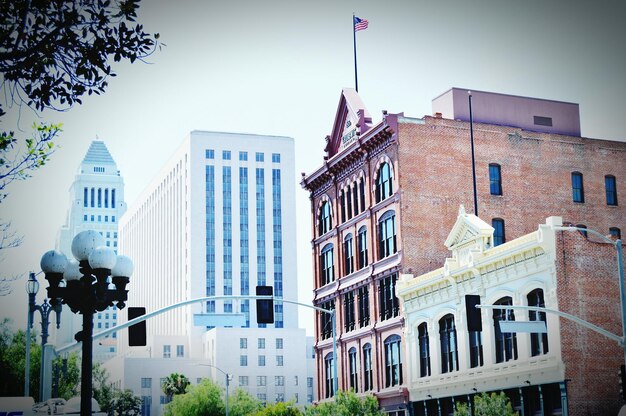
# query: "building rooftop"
[[98, 153]]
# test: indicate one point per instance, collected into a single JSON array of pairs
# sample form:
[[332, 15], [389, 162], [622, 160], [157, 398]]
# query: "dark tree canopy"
[[52, 52]]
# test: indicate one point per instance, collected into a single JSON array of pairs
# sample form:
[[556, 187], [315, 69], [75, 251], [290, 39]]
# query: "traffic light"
[[622, 381], [474, 320], [137, 332], [264, 307]]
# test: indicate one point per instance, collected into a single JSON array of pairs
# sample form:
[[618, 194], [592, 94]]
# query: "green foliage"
[[494, 404], [279, 409], [69, 375], [125, 403], [202, 399], [174, 384], [346, 404], [241, 403], [103, 392], [13, 361]]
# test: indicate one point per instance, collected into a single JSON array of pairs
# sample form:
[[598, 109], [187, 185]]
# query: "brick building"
[[387, 194]]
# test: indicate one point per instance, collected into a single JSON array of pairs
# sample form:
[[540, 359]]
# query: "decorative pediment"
[[469, 233], [351, 118]]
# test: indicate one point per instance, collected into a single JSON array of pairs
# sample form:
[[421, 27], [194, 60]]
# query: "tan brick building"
[[387, 195]]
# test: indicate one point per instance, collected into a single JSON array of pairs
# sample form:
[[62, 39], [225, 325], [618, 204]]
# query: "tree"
[[202, 399], [487, 405], [345, 404], [13, 361], [279, 409], [125, 403], [103, 392], [174, 384], [66, 375], [241, 403]]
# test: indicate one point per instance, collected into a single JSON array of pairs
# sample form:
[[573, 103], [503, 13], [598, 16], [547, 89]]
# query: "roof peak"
[[98, 153]]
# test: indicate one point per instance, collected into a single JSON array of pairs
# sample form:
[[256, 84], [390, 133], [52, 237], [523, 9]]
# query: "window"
[[578, 192], [368, 376], [113, 201], [449, 349], [422, 331], [262, 397], [180, 351], [362, 193], [355, 196], [476, 349], [85, 192], [279, 361], [243, 343], [342, 202], [325, 219], [328, 371], [243, 380], [611, 190], [383, 183], [538, 342], [326, 264], [498, 231], [280, 397], [348, 311], [354, 376], [349, 201], [393, 363], [106, 198], [295, 380], [93, 197], [275, 158], [495, 181], [99, 197], [243, 156], [362, 241], [259, 157], [146, 383], [167, 353], [389, 305], [584, 229], [348, 254], [146, 403], [85, 217], [363, 298], [506, 342], [309, 382], [209, 154], [279, 380], [261, 360], [326, 328], [261, 343], [243, 360], [261, 380], [615, 232], [226, 154], [387, 235], [112, 218], [279, 343]]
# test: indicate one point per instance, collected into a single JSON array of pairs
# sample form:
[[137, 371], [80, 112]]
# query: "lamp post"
[[45, 309], [226, 375], [620, 272], [87, 291]]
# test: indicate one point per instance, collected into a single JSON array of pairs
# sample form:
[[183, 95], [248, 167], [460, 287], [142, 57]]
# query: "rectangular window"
[[279, 360], [226, 154], [243, 343], [146, 404], [262, 397], [146, 383], [243, 360], [326, 329], [259, 157], [180, 351], [279, 343], [209, 154], [611, 190], [85, 217], [113, 218], [364, 306], [348, 312], [495, 181], [309, 382], [279, 380], [389, 304], [167, 353], [243, 380], [261, 381], [243, 156], [578, 193], [261, 360], [261, 343], [106, 218], [275, 157], [542, 121], [85, 193], [498, 231]]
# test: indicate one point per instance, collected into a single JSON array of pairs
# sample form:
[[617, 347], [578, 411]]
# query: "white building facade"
[[96, 203], [218, 220]]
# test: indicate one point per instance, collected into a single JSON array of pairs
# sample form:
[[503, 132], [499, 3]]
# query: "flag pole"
[[356, 79]]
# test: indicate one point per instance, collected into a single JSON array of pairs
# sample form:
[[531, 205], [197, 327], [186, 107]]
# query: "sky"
[[277, 67]]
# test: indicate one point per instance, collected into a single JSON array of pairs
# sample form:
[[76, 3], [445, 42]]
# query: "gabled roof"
[[99, 154], [351, 112], [468, 229]]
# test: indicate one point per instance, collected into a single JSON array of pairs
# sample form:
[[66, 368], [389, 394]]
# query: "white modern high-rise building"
[[96, 203], [218, 220]]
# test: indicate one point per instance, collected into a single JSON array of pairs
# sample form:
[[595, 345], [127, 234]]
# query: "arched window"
[[538, 342], [506, 342], [348, 253], [362, 241], [495, 180], [449, 348], [393, 361], [349, 201], [324, 222], [578, 192], [611, 190], [326, 265], [329, 364], [354, 376], [368, 377], [362, 193], [355, 198], [384, 187], [424, 350], [498, 231], [343, 206], [387, 235]]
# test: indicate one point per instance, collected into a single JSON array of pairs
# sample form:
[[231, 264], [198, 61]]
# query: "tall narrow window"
[[354, 375], [326, 324], [615, 232], [495, 181], [355, 196], [393, 362], [476, 349], [348, 253], [387, 235], [112, 198], [348, 312], [424, 350], [362, 193], [538, 342], [326, 264], [325, 221], [329, 366], [389, 304], [611, 190], [578, 192], [343, 206], [449, 350], [99, 197], [383, 182], [106, 198], [505, 342], [498, 231], [349, 201], [85, 194], [93, 197], [362, 241], [368, 377], [363, 297]]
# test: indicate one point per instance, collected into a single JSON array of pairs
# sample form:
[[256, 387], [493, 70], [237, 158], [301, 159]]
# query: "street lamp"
[[45, 309], [87, 291], [620, 272], [227, 378]]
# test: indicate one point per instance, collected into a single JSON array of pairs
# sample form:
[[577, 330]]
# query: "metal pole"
[[473, 160], [31, 300], [86, 387], [356, 79], [335, 358], [227, 383]]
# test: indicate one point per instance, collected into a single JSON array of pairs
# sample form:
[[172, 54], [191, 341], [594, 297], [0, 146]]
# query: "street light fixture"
[[87, 291], [45, 309], [228, 378]]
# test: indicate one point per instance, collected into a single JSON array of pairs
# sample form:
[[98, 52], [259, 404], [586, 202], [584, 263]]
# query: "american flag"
[[359, 24]]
